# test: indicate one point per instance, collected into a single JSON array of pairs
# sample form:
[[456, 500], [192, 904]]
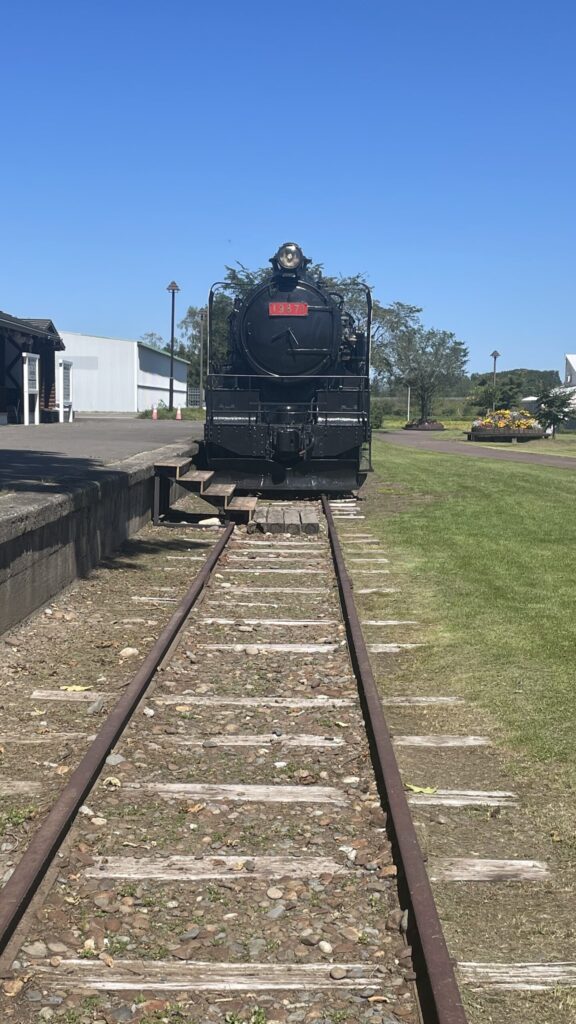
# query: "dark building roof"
[[37, 328]]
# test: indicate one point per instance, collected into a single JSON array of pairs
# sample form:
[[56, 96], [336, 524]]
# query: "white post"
[[61, 391], [408, 407], [65, 390], [25, 392], [31, 386]]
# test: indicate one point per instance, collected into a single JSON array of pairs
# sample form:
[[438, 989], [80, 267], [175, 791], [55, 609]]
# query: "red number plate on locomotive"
[[288, 308]]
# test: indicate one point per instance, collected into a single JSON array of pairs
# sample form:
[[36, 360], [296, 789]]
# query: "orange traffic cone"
[[154, 412], [178, 413]]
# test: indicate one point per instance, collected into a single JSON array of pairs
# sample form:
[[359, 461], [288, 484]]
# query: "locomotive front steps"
[[196, 480]]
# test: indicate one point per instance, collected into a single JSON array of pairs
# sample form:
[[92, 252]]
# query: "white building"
[[117, 375], [570, 371]]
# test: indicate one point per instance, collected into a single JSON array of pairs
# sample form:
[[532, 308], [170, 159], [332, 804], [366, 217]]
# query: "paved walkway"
[[37, 458], [432, 441]]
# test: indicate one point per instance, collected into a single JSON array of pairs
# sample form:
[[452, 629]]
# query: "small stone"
[[350, 934], [251, 649], [324, 947], [99, 821], [115, 759], [276, 912], [192, 933], [129, 652], [338, 973], [57, 947], [367, 993], [309, 940], [274, 893], [46, 1013], [35, 949], [394, 920]]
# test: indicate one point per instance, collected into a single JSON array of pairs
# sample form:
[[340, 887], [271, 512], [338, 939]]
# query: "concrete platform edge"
[[49, 540]]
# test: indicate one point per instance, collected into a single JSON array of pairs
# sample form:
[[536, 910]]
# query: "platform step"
[[219, 494], [174, 468], [196, 480], [241, 510]]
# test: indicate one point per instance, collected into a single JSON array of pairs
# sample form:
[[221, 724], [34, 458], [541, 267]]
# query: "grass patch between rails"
[[487, 555]]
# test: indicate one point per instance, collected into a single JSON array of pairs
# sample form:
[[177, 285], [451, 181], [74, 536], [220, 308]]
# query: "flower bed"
[[423, 425], [506, 425]]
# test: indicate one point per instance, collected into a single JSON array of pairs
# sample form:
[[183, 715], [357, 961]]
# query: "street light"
[[494, 355], [172, 287]]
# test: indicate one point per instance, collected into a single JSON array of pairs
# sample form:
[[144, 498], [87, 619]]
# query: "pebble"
[[129, 652], [46, 1013], [276, 912], [350, 934], [35, 949], [99, 821], [338, 973], [324, 946], [309, 940], [274, 893], [193, 933], [115, 759]]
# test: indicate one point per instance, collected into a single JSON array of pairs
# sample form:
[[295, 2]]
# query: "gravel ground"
[[109, 908]]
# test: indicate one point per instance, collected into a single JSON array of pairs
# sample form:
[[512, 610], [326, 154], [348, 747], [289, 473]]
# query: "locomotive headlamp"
[[290, 256]]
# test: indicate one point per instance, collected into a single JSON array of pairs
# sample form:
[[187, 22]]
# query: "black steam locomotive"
[[290, 410]]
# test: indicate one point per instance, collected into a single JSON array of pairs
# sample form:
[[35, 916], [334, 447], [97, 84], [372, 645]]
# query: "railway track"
[[221, 851]]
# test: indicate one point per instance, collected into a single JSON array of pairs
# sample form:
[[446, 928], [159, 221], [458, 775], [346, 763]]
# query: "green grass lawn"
[[488, 551]]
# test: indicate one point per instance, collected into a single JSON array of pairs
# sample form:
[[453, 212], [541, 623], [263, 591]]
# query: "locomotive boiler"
[[289, 411]]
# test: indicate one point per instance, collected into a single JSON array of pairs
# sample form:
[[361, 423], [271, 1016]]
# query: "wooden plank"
[[237, 589], [244, 793], [437, 740], [175, 468], [196, 479], [420, 701], [268, 622], [34, 738], [535, 977], [376, 590], [389, 622], [87, 696], [260, 648], [463, 798], [357, 561], [191, 976], [190, 869], [243, 504], [10, 787], [261, 571], [219, 494], [476, 869], [391, 648], [258, 702], [256, 740]]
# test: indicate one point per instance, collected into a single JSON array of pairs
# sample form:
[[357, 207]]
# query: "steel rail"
[[440, 997], [35, 862]]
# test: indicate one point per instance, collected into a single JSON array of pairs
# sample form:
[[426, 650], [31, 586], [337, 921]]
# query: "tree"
[[554, 407], [424, 359], [506, 395]]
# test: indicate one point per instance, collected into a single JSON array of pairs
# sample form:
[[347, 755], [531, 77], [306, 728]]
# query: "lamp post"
[[172, 287], [494, 355], [202, 320]]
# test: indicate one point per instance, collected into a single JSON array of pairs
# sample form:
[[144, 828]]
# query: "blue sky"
[[430, 145]]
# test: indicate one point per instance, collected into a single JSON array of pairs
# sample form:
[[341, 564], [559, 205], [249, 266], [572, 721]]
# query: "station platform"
[[70, 494]]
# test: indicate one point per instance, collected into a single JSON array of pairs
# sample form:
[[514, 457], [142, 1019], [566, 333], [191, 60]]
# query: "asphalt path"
[[73, 451], [432, 441]]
